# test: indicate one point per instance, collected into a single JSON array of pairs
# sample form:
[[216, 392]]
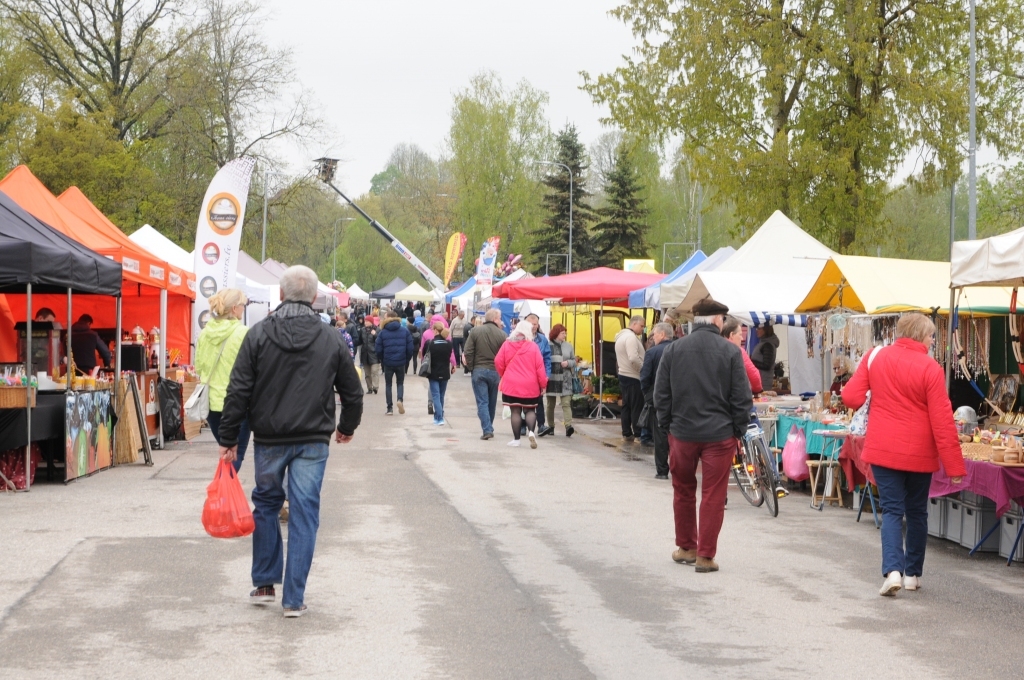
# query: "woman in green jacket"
[[216, 350]]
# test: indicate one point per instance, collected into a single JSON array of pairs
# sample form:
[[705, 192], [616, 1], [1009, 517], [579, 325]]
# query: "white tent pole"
[[28, 387], [160, 363], [949, 339]]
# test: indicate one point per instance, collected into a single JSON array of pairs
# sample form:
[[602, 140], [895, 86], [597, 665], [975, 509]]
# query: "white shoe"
[[514, 442], [892, 585], [911, 582], [533, 439]]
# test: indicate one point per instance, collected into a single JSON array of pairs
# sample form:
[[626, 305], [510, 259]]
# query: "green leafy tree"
[[495, 134], [622, 231], [810, 108], [552, 236]]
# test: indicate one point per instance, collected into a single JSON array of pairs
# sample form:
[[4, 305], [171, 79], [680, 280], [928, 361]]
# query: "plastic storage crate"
[[977, 501], [954, 509], [1009, 524], [937, 516], [975, 523]]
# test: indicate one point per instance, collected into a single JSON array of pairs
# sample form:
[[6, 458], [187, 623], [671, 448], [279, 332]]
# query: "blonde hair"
[[438, 327], [915, 326], [223, 303], [445, 333]]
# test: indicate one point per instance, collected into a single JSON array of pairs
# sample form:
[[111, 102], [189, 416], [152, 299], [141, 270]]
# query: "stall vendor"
[[841, 374], [85, 342], [46, 314]]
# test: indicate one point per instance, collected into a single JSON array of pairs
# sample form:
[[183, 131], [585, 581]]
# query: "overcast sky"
[[384, 71]]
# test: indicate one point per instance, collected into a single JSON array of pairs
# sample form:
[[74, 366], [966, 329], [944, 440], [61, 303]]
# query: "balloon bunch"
[[510, 265], [337, 285]]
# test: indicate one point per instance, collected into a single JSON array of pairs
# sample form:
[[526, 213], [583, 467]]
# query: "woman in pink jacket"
[[523, 379]]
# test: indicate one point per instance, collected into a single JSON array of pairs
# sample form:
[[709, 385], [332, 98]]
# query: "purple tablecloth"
[[1001, 484]]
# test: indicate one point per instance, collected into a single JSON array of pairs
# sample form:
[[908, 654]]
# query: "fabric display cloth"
[[47, 421], [998, 483], [815, 442], [856, 471]]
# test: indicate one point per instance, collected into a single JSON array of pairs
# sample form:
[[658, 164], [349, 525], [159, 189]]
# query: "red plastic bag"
[[794, 455], [226, 513]]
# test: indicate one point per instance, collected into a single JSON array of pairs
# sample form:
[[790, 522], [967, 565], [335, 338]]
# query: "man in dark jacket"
[[661, 335], [703, 398], [85, 342], [284, 379], [394, 349], [368, 354], [481, 348]]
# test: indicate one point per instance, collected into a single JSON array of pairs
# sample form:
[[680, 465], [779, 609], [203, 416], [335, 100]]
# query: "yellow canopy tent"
[[416, 293], [875, 285]]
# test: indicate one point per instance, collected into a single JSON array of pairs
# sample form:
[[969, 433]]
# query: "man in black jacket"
[[284, 379], [703, 398], [661, 335]]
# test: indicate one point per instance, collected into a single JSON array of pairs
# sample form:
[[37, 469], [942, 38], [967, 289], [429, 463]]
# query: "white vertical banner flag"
[[218, 235]]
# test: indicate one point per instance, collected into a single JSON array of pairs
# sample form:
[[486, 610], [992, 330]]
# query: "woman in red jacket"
[[523, 379], [733, 332], [910, 430]]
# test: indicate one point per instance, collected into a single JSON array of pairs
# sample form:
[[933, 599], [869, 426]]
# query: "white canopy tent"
[[994, 261], [672, 293], [357, 293], [416, 293]]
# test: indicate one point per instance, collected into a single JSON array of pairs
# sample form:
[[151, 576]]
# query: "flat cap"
[[709, 307]]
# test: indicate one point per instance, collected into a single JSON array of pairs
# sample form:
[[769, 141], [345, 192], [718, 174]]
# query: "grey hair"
[[638, 319], [492, 314], [707, 319], [663, 328], [299, 284]]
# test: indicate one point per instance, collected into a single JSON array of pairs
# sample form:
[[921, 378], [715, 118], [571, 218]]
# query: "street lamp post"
[[334, 253], [972, 142], [569, 170], [266, 182]]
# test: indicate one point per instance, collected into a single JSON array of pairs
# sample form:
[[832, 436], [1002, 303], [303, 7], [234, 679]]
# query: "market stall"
[[674, 288], [357, 293], [388, 291], [650, 296], [416, 293], [38, 260]]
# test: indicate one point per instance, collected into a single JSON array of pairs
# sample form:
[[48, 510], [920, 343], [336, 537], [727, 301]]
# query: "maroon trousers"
[[716, 460]]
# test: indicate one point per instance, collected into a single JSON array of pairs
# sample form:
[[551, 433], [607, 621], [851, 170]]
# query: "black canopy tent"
[[388, 291], [36, 258]]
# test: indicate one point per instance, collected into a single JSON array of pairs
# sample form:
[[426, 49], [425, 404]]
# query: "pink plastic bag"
[[794, 455]]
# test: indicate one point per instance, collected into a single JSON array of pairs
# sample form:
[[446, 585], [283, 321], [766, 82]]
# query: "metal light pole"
[[569, 170], [334, 253], [266, 183], [972, 144]]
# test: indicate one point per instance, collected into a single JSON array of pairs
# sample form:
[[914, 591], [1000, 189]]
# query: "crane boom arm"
[[433, 279]]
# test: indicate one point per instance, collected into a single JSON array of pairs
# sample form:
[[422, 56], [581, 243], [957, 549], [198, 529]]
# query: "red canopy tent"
[[592, 285], [145, 276]]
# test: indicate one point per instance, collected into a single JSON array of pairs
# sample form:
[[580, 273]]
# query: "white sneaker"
[[514, 442], [911, 582], [892, 585], [533, 439]]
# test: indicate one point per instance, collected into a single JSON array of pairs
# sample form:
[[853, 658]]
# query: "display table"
[[815, 442], [47, 421], [1001, 484]]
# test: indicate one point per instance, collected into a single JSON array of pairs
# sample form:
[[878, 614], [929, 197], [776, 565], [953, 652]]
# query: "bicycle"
[[755, 474]]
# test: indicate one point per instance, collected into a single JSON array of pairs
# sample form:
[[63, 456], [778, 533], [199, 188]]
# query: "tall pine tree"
[[622, 233], [552, 237]]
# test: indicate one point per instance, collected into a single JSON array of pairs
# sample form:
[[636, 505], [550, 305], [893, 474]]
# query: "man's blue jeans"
[[485, 389], [213, 420], [903, 494], [305, 466], [437, 390], [398, 373]]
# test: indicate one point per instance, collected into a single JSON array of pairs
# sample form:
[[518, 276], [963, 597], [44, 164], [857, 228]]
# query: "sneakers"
[[684, 556], [514, 442], [439, 422], [892, 585], [546, 431], [569, 431], [295, 612], [262, 595], [401, 406], [661, 475], [389, 413], [911, 582], [705, 565], [533, 439], [487, 435]]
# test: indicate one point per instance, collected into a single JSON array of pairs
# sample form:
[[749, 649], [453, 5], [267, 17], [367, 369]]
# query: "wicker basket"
[[976, 451], [14, 397]]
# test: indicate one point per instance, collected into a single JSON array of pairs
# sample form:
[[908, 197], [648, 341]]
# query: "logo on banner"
[[175, 279], [128, 264], [211, 253], [204, 318], [223, 214], [208, 286], [156, 272], [485, 263]]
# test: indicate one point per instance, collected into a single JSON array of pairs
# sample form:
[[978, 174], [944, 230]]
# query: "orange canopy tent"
[[145, 277]]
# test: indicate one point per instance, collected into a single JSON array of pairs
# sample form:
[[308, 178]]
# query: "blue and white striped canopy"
[[797, 320]]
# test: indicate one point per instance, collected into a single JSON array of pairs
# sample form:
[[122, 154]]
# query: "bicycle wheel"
[[746, 478], [766, 479]]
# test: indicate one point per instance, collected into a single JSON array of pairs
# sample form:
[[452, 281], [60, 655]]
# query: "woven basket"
[[976, 451], [14, 397]]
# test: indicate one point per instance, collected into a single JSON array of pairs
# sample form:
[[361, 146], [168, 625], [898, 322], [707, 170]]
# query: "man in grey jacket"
[[481, 348], [629, 356], [703, 397]]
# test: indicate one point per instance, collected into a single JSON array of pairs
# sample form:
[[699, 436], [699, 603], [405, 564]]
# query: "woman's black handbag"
[[424, 371]]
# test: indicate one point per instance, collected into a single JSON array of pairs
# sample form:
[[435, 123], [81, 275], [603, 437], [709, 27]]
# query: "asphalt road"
[[442, 556]]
